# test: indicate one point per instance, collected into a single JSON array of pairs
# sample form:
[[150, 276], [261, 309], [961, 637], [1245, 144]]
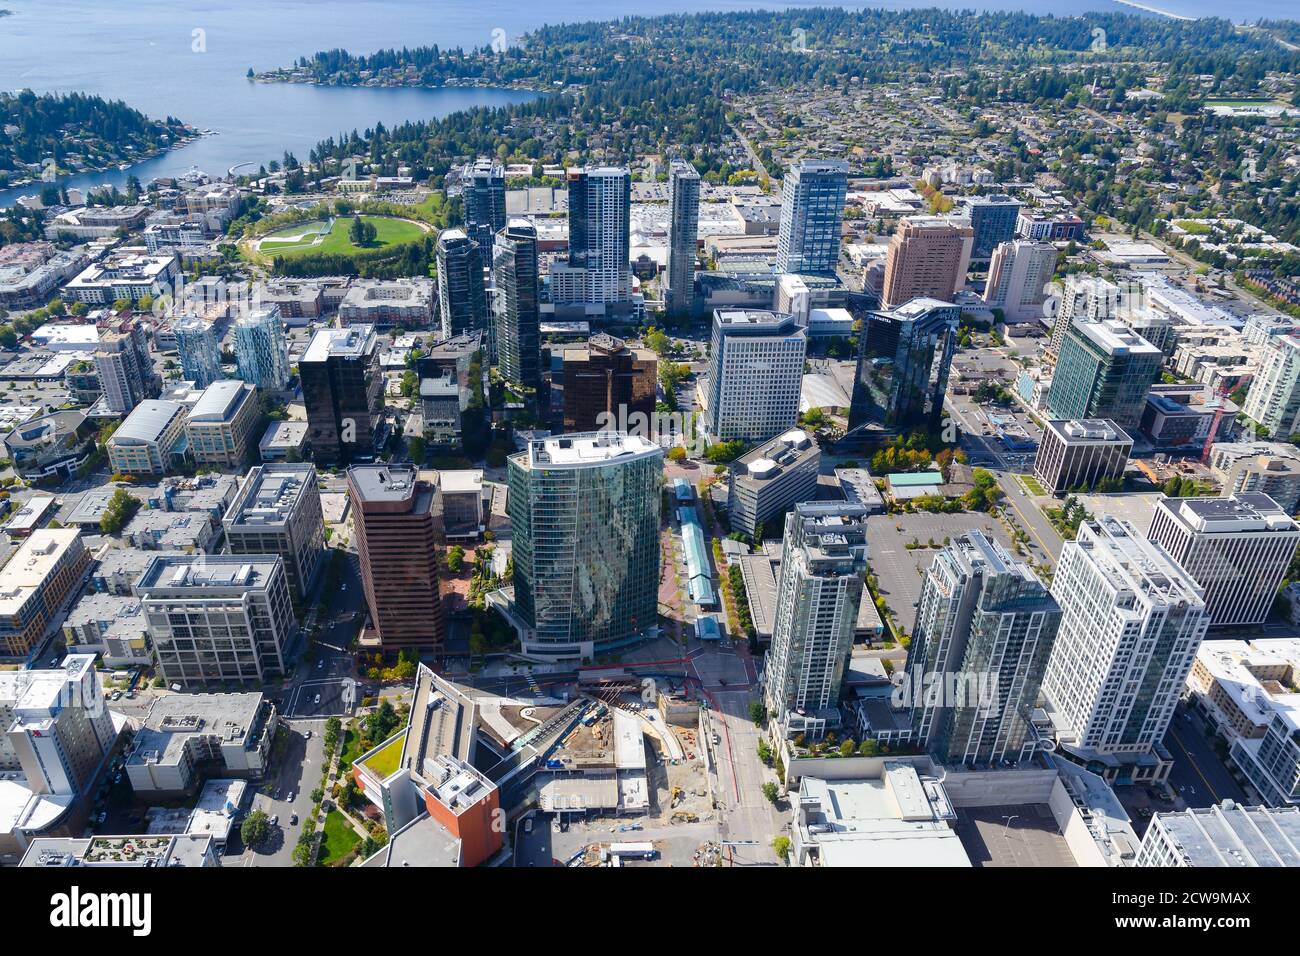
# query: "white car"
[[317, 700]]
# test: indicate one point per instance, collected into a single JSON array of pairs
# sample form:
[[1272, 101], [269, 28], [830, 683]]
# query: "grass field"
[[337, 838], [305, 237]]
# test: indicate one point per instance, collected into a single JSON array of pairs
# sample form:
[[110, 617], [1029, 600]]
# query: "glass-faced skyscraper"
[[518, 321], [199, 353], [903, 362], [683, 233], [984, 630], [462, 300], [584, 518], [484, 197], [823, 564], [261, 349], [812, 213], [1105, 371]]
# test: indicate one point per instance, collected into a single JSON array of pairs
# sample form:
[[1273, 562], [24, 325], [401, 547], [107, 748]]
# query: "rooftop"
[[1243, 512], [221, 400], [353, 342], [147, 422], [270, 493], [27, 571], [1235, 836], [1083, 431], [587, 448], [231, 573]]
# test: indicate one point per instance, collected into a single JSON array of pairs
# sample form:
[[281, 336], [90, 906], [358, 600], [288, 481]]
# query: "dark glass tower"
[[518, 321]]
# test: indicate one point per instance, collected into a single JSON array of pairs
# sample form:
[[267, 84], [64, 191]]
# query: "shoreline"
[[193, 136], [1147, 8], [275, 76]]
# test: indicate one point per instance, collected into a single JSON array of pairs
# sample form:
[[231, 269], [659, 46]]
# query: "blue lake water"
[[188, 59]]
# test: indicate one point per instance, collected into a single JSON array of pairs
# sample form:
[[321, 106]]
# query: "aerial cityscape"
[[809, 438]]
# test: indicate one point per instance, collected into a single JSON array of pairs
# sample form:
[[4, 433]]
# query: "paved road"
[[296, 773], [1198, 774], [746, 815]]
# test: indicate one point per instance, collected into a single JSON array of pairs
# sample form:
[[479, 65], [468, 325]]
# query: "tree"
[[771, 791], [758, 713], [255, 828], [455, 559], [781, 845], [677, 453]]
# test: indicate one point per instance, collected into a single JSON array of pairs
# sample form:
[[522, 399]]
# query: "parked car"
[[275, 820], [293, 820]]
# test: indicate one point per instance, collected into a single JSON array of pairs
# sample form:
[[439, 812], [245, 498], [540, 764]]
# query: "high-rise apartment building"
[[219, 426], [755, 374], [584, 518], [812, 214], [37, 580], [1105, 370], [1269, 468], [278, 511], [518, 320], [261, 349], [484, 198], [125, 367], [985, 626], [683, 234], [343, 390], [218, 619], [1273, 401], [993, 219], [823, 563], [904, 356], [1019, 275], [928, 258], [600, 205], [398, 523], [1237, 549], [1083, 298], [462, 300], [199, 351], [1131, 621], [607, 382]]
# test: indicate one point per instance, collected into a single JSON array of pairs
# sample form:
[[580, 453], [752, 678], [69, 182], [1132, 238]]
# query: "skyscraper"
[[1237, 549], [904, 357], [1131, 621], [1105, 370], [462, 301], [584, 518], [398, 531], [928, 257], [1273, 401], [823, 563], [1018, 277], [606, 376], [683, 233], [200, 355], [125, 368], [1082, 298], [261, 350], [600, 205], [343, 390], [984, 631], [755, 374], [993, 219], [484, 197], [518, 321], [812, 213]]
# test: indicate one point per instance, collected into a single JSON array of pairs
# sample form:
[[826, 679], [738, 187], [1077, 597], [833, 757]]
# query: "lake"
[[188, 59]]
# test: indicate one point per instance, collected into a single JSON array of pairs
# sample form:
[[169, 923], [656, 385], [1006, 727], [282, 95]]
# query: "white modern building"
[[147, 442], [1020, 274], [220, 424], [1273, 401], [767, 482], [755, 375], [824, 560], [1237, 549], [1131, 622]]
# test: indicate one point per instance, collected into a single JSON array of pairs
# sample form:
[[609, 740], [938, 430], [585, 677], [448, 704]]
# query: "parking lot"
[[899, 570], [1019, 835]]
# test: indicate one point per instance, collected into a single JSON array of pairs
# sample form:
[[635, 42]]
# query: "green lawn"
[[383, 762], [300, 239], [351, 748], [1032, 483], [337, 838]]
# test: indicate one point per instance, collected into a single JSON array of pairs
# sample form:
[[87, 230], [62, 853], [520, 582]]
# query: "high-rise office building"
[[1105, 371], [984, 631], [484, 198], [518, 321], [1273, 401], [755, 374], [1237, 549], [904, 357], [261, 349], [1077, 455], [398, 530], [605, 377], [812, 214], [125, 367], [600, 206], [218, 619], [462, 300], [1019, 274], [1131, 621], [683, 233], [278, 511], [584, 518], [343, 390], [928, 257], [993, 219], [200, 354], [823, 563], [1083, 298]]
